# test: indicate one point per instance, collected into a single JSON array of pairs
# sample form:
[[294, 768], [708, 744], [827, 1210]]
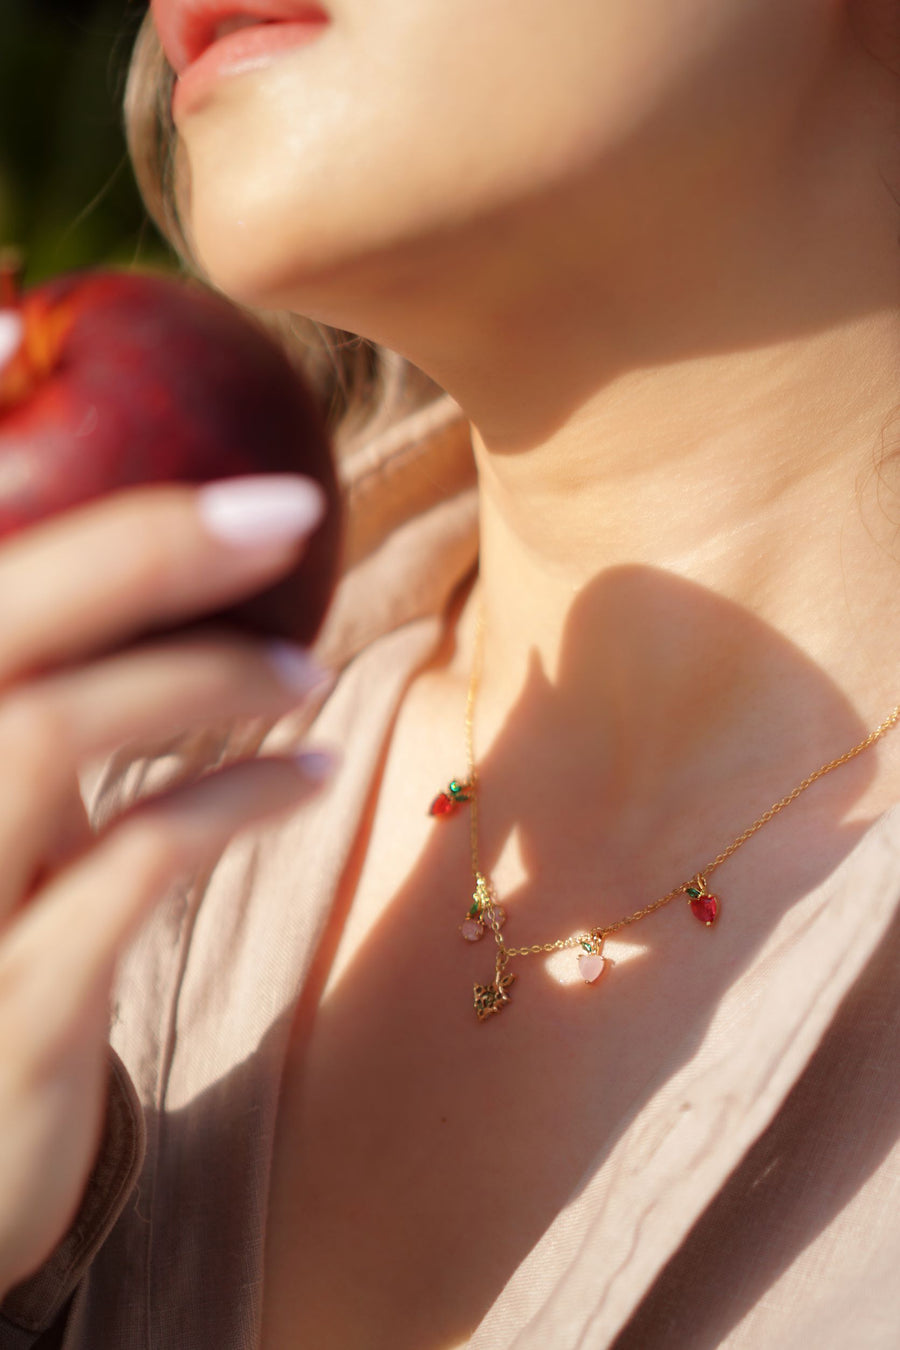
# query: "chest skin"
[[420, 1154]]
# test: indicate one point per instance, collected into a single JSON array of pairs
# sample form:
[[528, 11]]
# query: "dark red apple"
[[112, 378]]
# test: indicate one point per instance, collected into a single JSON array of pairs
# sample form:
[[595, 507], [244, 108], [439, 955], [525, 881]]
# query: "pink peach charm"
[[591, 966], [471, 930]]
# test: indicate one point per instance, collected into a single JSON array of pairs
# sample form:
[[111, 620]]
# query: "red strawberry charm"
[[704, 906], [445, 803]]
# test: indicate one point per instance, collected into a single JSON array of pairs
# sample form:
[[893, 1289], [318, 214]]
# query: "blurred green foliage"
[[67, 195]]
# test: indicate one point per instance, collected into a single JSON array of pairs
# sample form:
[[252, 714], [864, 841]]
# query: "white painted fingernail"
[[12, 329], [260, 509], [296, 669], [317, 765]]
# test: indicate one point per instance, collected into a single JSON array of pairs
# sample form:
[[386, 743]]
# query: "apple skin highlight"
[[122, 378]]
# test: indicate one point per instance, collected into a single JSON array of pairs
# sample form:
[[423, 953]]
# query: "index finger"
[[102, 572]]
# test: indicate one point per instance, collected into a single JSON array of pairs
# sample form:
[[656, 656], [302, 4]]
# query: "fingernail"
[[296, 668], [317, 765], [261, 508], [12, 330]]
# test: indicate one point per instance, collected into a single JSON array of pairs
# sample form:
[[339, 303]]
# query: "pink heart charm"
[[591, 966]]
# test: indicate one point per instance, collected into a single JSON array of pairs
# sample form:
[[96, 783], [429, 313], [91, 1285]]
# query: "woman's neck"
[[680, 362], [688, 501], [703, 544]]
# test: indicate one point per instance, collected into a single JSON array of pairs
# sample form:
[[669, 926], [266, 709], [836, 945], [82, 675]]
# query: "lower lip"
[[245, 49]]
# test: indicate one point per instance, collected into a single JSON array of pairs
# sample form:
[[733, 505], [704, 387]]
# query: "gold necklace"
[[485, 913]]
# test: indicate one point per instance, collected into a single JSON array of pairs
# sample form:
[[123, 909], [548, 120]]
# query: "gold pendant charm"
[[490, 998]]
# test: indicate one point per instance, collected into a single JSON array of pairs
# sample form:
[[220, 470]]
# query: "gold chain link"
[[560, 944]]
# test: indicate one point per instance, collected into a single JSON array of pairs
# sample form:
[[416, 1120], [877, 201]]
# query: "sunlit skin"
[[651, 247], [651, 251]]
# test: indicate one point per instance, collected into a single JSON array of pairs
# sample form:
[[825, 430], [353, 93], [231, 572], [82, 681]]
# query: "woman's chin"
[[253, 255], [319, 264]]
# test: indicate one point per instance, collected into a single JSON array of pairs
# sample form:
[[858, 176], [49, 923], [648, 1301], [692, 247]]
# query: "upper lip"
[[187, 27]]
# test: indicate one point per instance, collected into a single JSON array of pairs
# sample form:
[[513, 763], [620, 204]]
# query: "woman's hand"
[[73, 591]]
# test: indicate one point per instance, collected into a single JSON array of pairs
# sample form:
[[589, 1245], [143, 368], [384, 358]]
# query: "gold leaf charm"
[[490, 998]]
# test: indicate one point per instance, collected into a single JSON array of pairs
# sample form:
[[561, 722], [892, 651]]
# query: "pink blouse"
[[751, 1199]]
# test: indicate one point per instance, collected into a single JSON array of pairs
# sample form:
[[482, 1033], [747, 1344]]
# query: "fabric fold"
[[582, 1282], [33, 1306], [206, 992]]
